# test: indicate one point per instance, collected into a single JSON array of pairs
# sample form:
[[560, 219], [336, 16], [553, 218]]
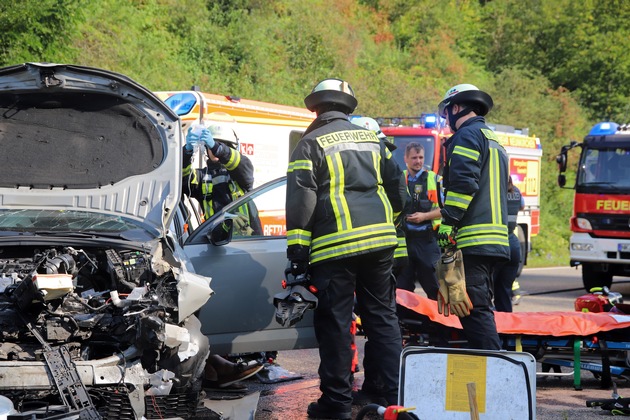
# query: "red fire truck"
[[600, 223]]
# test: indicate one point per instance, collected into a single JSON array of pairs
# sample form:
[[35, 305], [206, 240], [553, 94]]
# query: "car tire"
[[592, 277]]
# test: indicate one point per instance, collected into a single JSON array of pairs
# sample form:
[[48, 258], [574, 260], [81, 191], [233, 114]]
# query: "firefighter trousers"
[[479, 327], [370, 275]]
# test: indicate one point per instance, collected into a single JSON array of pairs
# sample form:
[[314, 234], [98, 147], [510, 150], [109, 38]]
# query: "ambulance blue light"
[[604, 128], [430, 120]]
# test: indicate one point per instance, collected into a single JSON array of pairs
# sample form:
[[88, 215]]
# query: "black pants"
[[423, 256], [479, 327], [370, 275], [504, 276]]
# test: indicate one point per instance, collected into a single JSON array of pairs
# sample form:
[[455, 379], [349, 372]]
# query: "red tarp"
[[556, 323]]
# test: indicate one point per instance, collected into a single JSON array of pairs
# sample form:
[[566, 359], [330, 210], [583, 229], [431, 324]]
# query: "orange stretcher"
[[576, 331]]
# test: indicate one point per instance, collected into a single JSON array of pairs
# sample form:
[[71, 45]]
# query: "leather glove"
[[192, 139], [206, 137], [446, 236], [298, 267], [241, 222], [452, 296]]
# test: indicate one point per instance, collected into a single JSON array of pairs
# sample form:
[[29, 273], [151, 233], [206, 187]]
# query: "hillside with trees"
[[552, 67]]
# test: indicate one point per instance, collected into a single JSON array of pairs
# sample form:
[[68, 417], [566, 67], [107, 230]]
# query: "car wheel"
[[592, 277]]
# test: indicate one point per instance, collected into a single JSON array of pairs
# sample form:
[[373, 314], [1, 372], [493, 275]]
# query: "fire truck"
[[600, 224], [524, 152]]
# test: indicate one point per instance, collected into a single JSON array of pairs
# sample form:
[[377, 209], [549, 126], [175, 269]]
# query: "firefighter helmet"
[[368, 123], [224, 133], [466, 94], [331, 91]]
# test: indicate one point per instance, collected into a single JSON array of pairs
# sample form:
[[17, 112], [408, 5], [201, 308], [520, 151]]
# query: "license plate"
[[623, 247]]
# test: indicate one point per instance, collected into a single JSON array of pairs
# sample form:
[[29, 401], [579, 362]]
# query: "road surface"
[[550, 289]]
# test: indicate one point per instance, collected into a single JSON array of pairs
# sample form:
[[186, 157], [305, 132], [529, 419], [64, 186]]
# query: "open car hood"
[[80, 138]]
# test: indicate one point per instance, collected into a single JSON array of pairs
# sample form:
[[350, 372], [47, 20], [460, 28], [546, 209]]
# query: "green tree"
[[31, 30], [580, 48]]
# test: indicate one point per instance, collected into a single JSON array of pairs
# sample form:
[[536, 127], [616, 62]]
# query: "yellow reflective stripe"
[[187, 170], [353, 234], [483, 234], [337, 187], [458, 200], [380, 191], [482, 228], [298, 237], [388, 154], [352, 248], [490, 135], [401, 249], [235, 159], [207, 209], [306, 165], [484, 240], [466, 152], [400, 253], [495, 186]]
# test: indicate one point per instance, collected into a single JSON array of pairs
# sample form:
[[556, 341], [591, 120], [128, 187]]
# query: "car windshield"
[[401, 142], [605, 169], [62, 221]]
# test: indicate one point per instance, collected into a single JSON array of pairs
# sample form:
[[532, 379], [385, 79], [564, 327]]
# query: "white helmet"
[[368, 123], [466, 94], [331, 91], [223, 133]]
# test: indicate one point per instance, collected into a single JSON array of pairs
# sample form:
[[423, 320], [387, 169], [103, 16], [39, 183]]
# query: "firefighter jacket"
[[475, 181], [218, 183], [425, 196], [515, 202], [401, 254], [343, 188]]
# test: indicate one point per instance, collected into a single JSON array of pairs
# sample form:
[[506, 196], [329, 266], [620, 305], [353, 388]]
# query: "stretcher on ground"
[[597, 342]]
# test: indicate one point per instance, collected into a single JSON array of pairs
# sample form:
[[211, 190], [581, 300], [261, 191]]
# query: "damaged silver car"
[[97, 299]]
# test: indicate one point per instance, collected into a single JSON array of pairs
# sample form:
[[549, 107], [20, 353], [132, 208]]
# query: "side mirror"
[[562, 161], [221, 234], [562, 180]]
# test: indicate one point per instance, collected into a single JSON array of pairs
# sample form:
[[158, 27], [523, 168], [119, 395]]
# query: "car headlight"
[[583, 223], [577, 246]]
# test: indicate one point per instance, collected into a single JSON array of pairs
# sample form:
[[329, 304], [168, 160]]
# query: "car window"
[[261, 214]]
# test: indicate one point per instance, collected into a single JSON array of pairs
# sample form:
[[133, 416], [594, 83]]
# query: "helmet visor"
[[442, 109]]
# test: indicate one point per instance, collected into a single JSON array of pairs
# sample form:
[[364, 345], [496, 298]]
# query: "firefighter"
[[227, 174], [474, 216], [421, 224], [343, 187]]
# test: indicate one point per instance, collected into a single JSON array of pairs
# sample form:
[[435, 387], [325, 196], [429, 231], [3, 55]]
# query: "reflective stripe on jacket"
[[343, 187], [475, 180], [219, 183]]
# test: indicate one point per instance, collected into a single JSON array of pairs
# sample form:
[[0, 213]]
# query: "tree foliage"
[[551, 67]]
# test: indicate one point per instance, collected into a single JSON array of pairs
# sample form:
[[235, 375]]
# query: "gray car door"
[[246, 274]]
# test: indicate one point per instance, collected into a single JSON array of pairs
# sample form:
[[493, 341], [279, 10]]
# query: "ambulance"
[[267, 132]]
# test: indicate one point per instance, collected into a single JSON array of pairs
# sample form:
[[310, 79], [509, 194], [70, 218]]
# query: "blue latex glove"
[[446, 236], [206, 137], [192, 139]]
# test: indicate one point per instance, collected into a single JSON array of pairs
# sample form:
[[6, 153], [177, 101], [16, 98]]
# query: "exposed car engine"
[[96, 303]]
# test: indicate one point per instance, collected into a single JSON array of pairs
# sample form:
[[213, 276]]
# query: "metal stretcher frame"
[[573, 332]]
